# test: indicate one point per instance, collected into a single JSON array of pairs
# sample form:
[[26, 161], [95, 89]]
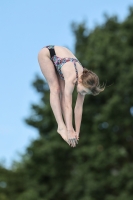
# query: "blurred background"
[[35, 163]]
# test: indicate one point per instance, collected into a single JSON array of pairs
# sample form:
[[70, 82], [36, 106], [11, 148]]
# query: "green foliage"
[[100, 167]]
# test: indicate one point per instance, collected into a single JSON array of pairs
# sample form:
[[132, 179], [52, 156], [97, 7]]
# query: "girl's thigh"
[[48, 69], [61, 83]]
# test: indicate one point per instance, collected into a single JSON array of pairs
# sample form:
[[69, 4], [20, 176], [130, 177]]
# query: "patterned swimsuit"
[[59, 62]]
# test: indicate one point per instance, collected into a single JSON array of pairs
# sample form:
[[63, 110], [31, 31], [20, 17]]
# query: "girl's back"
[[63, 52]]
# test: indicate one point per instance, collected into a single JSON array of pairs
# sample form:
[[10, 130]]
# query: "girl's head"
[[88, 83]]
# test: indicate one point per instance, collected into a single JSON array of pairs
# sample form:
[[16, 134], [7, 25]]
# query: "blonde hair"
[[91, 81]]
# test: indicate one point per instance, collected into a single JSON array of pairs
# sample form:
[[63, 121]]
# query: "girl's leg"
[[49, 72], [62, 98]]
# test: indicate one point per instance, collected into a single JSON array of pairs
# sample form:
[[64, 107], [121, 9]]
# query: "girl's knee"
[[55, 90]]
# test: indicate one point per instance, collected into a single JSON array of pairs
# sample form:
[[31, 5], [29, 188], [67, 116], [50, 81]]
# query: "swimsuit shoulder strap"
[[76, 73], [76, 70]]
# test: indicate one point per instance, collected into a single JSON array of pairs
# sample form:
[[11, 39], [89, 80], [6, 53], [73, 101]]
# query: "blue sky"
[[25, 27]]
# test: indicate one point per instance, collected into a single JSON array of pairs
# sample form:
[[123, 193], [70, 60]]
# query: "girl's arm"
[[69, 87], [78, 112], [72, 137]]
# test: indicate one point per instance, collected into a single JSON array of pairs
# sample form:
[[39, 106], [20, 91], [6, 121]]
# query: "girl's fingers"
[[77, 137]]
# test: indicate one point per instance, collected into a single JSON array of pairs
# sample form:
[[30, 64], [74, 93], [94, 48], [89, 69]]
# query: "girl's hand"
[[72, 137], [77, 136]]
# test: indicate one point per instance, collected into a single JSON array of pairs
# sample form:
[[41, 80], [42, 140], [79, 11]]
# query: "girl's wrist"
[[70, 130]]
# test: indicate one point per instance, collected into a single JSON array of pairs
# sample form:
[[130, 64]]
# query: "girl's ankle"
[[61, 127]]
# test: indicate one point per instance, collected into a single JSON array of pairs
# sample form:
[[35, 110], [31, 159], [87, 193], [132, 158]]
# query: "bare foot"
[[63, 133]]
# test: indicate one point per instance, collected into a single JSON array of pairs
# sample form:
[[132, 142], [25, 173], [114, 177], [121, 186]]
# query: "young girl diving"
[[63, 72]]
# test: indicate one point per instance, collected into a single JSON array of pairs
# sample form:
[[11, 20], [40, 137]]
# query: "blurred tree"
[[101, 166], [12, 182]]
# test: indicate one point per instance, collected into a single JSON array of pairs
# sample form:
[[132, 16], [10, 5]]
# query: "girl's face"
[[82, 90]]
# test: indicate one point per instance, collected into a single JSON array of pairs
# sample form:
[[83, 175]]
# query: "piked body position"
[[63, 72]]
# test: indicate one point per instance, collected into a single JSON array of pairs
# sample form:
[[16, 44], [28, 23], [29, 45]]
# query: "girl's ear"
[[79, 79]]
